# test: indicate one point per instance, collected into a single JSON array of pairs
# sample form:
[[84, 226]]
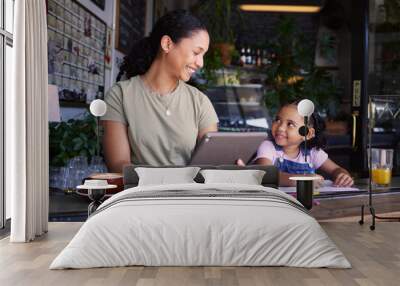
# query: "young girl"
[[286, 150]]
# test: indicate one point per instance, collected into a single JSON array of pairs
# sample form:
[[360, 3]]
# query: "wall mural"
[[76, 51]]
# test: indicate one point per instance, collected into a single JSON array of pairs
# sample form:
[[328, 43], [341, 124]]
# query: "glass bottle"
[[248, 56], [242, 56], [258, 58]]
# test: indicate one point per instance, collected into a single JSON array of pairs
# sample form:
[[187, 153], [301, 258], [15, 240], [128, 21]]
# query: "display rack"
[[240, 108], [370, 206]]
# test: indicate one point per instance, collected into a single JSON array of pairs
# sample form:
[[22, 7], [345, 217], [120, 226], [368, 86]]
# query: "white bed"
[[201, 224]]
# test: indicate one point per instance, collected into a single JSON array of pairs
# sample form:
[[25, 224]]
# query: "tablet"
[[224, 148]]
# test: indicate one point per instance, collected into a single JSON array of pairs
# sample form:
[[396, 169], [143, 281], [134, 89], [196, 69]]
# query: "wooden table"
[[385, 200]]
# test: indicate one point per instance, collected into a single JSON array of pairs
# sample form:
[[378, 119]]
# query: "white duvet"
[[235, 228]]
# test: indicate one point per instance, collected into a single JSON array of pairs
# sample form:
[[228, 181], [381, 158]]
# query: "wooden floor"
[[374, 255]]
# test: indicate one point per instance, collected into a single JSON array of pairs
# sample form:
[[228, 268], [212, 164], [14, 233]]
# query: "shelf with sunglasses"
[[79, 98]]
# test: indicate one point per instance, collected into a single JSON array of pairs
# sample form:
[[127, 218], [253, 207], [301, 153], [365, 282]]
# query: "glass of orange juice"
[[382, 163]]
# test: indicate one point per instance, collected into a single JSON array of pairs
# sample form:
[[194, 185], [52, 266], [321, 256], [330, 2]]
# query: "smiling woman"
[[154, 117]]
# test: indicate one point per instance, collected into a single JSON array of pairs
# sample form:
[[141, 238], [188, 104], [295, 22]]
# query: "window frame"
[[6, 39], [2, 189], [2, 74]]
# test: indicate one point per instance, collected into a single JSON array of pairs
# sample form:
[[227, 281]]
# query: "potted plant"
[[72, 138], [292, 74], [218, 16]]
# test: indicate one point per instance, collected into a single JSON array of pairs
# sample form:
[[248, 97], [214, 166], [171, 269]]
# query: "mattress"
[[201, 225]]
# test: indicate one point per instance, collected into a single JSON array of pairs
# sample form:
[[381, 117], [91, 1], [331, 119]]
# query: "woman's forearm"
[[116, 167], [116, 146]]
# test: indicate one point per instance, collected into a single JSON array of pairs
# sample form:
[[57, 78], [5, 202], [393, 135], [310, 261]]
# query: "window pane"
[[1, 14], [9, 14], [1, 133], [9, 60]]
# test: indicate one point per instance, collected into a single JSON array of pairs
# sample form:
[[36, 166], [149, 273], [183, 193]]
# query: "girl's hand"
[[343, 180], [240, 162]]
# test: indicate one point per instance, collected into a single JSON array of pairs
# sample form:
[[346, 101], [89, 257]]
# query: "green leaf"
[[72, 138]]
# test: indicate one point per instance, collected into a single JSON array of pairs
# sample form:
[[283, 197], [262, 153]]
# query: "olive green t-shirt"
[[155, 137]]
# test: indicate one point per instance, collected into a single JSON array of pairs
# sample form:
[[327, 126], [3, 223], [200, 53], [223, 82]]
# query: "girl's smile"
[[280, 137]]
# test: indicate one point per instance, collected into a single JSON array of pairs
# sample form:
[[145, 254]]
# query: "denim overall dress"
[[292, 167]]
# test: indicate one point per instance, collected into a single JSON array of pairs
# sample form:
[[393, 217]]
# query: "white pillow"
[[249, 177], [163, 176]]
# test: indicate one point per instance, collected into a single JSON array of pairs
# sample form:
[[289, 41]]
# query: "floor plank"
[[375, 257]]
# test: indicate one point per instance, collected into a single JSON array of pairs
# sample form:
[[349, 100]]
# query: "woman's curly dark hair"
[[177, 25], [319, 140]]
